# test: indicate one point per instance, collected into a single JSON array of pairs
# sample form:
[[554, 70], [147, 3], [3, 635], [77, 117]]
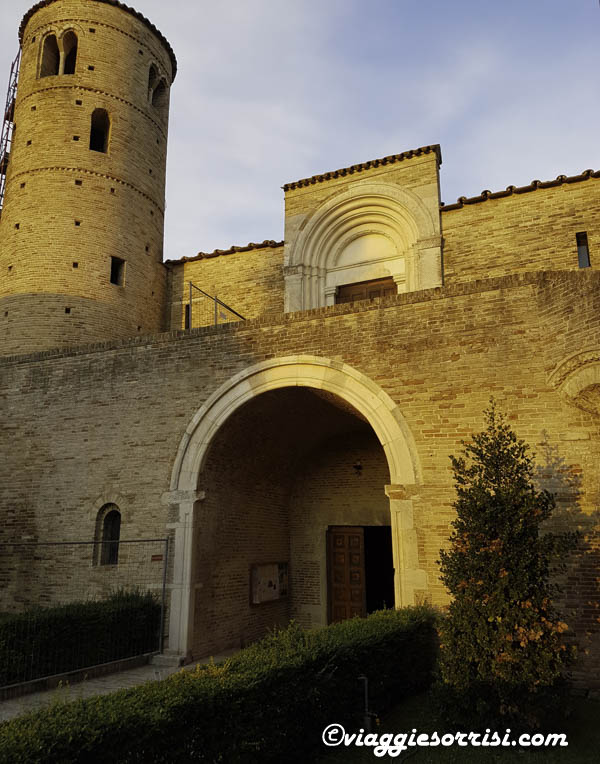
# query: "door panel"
[[366, 290], [346, 573]]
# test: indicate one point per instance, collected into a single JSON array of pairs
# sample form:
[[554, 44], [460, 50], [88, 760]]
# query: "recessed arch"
[[69, 51], [365, 209], [50, 59], [342, 380], [577, 378]]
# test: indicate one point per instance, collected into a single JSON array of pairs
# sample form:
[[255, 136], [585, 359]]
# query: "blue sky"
[[270, 91]]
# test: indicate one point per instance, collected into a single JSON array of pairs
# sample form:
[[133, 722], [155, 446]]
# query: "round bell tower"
[[81, 226]]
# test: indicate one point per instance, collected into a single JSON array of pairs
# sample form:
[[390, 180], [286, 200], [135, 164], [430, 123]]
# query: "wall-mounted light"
[[357, 466]]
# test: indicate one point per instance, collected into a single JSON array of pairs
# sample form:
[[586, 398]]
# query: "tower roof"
[[117, 4]]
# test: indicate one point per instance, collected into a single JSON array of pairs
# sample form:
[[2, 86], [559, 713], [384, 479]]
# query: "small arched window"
[[69, 42], [109, 533], [160, 96], [152, 79], [99, 130], [50, 56]]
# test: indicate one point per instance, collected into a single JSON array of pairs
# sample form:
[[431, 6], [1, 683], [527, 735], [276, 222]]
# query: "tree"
[[502, 656]]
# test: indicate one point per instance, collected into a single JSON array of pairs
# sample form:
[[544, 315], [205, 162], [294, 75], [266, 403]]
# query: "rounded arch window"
[[160, 96], [69, 45], [108, 535], [152, 80], [50, 62]]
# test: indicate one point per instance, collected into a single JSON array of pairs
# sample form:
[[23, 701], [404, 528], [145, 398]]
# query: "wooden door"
[[346, 573], [366, 290]]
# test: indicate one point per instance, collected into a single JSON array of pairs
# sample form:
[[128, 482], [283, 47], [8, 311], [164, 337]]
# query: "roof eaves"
[[392, 159]]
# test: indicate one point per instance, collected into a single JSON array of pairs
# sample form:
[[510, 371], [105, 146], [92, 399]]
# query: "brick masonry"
[[87, 425]]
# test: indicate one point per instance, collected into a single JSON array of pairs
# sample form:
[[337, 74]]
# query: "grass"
[[582, 729]]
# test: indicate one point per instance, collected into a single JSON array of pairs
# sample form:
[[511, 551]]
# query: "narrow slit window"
[[99, 131], [50, 56], [117, 271], [70, 52], [583, 251], [186, 319]]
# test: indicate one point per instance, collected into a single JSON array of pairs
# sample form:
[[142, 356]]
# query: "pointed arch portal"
[[372, 404]]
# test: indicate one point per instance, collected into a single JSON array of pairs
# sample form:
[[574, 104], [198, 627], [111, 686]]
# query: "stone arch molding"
[[335, 377], [312, 269], [577, 379]]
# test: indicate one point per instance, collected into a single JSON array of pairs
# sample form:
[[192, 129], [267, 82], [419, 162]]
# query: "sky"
[[271, 91]]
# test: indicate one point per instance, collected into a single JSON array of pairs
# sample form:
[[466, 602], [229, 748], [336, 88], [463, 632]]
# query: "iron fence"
[[69, 606]]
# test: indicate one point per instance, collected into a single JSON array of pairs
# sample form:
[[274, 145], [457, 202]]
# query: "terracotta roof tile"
[[126, 8], [392, 159], [267, 243], [510, 190]]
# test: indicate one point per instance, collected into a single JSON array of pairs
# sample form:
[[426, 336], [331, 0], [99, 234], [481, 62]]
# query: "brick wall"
[[531, 231], [249, 281], [69, 209], [94, 422]]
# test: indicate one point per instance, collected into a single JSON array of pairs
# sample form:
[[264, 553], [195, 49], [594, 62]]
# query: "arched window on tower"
[[152, 80], [160, 96], [108, 534], [99, 130], [50, 57], [69, 42]]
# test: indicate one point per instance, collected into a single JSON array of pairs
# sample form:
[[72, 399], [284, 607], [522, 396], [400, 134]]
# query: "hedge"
[[48, 641], [268, 703]]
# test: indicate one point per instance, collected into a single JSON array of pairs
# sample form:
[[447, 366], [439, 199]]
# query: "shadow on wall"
[[579, 599]]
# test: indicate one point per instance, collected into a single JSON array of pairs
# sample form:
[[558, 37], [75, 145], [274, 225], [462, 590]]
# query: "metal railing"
[[63, 609], [203, 309], [8, 124]]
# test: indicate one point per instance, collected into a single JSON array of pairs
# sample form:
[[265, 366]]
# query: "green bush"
[[48, 641], [268, 703]]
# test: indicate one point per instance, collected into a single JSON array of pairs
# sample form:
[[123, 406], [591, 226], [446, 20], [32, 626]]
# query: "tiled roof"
[[510, 190], [218, 252], [122, 6], [392, 159]]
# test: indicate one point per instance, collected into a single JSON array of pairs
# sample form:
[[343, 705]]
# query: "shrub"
[[502, 654], [268, 703], [47, 641]]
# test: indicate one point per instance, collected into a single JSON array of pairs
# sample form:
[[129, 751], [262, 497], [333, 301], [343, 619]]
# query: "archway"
[[192, 487]]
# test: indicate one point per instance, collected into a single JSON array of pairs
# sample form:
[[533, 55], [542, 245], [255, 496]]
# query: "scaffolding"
[[8, 124]]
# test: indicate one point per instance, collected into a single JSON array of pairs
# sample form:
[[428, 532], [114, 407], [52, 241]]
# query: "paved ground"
[[99, 686]]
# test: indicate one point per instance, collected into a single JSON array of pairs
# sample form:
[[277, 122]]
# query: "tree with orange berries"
[[502, 656]]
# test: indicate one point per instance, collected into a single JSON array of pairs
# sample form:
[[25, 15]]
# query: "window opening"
[[111, 533], [160, 95], [583, 251], [117, 271], [50, 57], [152, 79], [70, 51], [100, 128]]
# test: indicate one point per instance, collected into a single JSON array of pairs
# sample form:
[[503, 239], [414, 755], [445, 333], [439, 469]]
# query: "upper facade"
[[379, 228], [81, 229]]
